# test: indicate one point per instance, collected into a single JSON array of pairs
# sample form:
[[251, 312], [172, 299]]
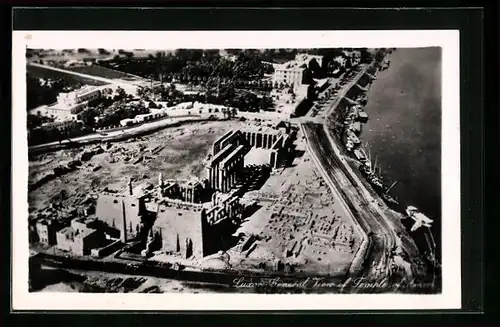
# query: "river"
[[404, 129]]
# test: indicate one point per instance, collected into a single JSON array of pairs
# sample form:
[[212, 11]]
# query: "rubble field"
[[299, 223], [99, 282], [68, 176]]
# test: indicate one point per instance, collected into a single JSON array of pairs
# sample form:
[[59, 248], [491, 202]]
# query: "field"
[[103, 72], [39, 72], [180, 155]]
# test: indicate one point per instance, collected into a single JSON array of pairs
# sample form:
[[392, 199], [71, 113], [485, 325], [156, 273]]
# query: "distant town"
[[205, 165]]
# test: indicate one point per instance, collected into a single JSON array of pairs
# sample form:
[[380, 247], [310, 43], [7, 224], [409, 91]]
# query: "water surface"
[[404, 129]]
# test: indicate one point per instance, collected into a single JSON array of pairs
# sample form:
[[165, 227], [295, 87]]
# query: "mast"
[[390, 187], [369, 157]]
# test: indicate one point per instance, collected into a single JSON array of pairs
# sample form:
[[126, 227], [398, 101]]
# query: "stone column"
[[226, 179], [221, 180], [229, 176], [217, 175], [233, 170], [239, 170], [233, 175], [214, 177], [208, 172]]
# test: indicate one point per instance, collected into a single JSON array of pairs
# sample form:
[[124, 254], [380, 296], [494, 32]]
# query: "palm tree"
[[160, 61]]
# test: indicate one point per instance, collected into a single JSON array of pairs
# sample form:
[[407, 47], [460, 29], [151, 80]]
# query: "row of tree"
[[226, 95], [41, 91], [110, 109], [55, 132], [191, 65]]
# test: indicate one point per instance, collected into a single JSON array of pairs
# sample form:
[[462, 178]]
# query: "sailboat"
[[419, 218], [387, 197]]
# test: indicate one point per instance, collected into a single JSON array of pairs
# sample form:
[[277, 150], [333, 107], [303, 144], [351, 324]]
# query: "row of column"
[[260, 140], [227, 210], [229, 175], [188, 194]]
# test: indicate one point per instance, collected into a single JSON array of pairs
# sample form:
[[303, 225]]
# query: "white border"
[[447, 39]]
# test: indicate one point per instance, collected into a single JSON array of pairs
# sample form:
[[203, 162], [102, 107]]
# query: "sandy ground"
[[257, 157], [99, 282], [181, 151], [298, 189]]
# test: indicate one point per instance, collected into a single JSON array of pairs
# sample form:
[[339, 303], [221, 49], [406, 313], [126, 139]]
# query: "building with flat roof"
[[192, 191], [289, 74], [46, 231], [226, 164], [309, 59], [194, 230], [69, 104], [181, 229], [294, 72], [59, 113], [86, 93], [80, 237], [122, 213]]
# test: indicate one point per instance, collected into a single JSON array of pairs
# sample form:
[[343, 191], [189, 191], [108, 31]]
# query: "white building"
[[289, 74], [341, 60], [54, 111], [305, 58], [86, 93], [287, 101], [68, 104], [293, 72]]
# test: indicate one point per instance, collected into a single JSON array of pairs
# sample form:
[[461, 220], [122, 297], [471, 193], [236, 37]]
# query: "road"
[[347, 185], [347, 188], [121, 133]]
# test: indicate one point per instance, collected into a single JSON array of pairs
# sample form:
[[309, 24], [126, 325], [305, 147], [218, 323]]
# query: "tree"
[[265, 103], [366, 57], [120, 93], [107, 91], [87, 117], [102, 51]]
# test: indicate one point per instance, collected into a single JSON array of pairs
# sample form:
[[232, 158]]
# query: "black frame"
[[472, 86]]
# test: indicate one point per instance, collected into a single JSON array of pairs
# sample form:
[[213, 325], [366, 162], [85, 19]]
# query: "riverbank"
[[404, 105]]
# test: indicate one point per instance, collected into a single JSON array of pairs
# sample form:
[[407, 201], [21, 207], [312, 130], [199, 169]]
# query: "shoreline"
[[403, 201]]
